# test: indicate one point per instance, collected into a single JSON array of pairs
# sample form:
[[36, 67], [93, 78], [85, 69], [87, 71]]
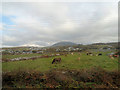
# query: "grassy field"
[[20, 55], [86, 72], [68, 62]]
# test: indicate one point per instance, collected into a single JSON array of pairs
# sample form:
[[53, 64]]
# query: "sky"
[[45, 23]]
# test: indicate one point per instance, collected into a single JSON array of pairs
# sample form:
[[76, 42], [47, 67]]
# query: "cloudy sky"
[[43, 24]]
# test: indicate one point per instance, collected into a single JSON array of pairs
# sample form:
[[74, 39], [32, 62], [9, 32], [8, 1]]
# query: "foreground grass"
[[69, 62]]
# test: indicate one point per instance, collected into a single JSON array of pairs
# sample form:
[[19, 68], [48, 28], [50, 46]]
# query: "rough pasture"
[[62, 78], [68, 62]]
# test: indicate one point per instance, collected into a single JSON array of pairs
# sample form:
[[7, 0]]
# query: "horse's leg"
[[56, 62], [53, 61]]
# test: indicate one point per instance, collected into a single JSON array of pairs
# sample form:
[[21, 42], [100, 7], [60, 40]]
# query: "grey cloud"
[[46, 23]]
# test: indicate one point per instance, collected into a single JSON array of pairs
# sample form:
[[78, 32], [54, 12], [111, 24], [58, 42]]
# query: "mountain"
[[64, 44]]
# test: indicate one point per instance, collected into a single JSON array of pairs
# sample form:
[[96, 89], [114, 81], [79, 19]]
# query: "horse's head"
[[53, 61]]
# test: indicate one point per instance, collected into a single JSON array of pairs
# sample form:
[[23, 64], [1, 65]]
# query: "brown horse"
[[56, 60], [33, 58]]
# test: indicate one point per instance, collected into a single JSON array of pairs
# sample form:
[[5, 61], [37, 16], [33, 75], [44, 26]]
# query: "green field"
[[21, 55], [68, 62]]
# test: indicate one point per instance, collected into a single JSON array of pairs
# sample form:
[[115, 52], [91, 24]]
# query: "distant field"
[[21, 55], [68, 62]]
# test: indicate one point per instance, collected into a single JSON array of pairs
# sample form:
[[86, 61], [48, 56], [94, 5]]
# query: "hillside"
[[64, 44]]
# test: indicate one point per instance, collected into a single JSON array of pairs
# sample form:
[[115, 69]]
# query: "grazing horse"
[[111, 56], [79, 53], [99, 54], [56, 60], [33, 58], [72, 53], [115, 55], [66, 55], [89, 53], [78, 58]]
